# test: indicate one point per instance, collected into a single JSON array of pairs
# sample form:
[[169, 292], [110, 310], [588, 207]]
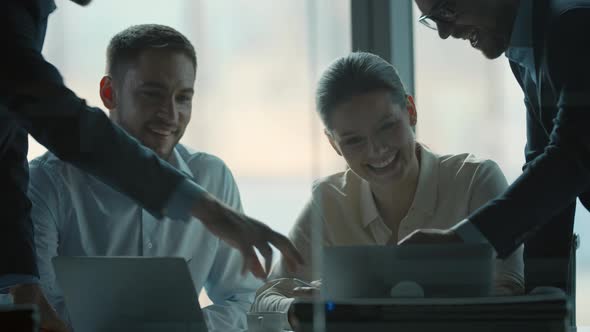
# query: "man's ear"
[[412, 112], [332, 142], [107, 93]]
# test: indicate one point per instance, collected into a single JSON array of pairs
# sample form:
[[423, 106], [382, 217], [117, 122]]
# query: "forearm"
[[276, 295], [548, 185], [276, 303], [225, 318], [207, 207], [509, 278]]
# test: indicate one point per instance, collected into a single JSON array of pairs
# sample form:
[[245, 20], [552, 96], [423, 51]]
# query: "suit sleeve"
[[553, 179], [547, 250]]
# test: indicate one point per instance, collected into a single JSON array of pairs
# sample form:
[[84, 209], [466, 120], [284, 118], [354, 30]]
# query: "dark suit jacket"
[[538, 208], [76, 133]]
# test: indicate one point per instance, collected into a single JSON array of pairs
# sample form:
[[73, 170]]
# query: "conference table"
[[545, 312], [538, 312]]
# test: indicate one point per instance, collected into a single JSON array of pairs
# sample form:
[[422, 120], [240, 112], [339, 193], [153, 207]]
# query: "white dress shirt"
[[449, 188], [74, 214]]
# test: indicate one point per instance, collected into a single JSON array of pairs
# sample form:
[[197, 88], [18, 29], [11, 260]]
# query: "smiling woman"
[[378, 142], [394, 184]]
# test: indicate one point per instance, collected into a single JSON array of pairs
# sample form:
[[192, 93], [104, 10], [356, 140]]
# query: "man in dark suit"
[[34, 100], [547, 44]]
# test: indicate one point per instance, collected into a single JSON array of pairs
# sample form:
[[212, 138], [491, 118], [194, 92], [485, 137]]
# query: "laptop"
[[129, 294], [431, 271], [455, 281]]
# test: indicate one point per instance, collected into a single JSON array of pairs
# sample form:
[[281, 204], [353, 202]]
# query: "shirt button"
[[150, 245]]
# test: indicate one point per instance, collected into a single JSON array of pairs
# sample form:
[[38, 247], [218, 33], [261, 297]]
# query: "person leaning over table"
[[548, 49], [34, 100]]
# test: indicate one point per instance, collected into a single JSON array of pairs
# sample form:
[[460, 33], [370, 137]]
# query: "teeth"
[[161, 131], [384, 163]]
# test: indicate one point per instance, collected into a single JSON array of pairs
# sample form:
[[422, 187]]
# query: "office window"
[[467, 103], [254, 101]]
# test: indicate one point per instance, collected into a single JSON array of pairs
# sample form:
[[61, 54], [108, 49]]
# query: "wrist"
[[205, 208]]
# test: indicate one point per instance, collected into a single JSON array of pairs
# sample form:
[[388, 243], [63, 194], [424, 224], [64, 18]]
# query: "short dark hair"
[[355, 74], [128, 44]]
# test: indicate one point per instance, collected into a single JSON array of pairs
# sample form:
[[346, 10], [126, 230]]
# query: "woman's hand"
[[308, 292]]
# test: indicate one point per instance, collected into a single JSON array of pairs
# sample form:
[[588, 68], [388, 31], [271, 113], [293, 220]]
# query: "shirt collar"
[[369, 211], [522, 31], [426, 191], [179, 163]]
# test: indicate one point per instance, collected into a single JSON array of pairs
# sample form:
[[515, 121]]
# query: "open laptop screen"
[[450, 270], [129, 293]]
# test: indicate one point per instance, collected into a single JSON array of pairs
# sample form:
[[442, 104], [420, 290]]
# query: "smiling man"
[[148, 91], [487, 25], [392, 184], [548, 47]]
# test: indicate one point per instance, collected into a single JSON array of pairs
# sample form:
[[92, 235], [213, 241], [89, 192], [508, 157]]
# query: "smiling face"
[[375, 137], [153, 100], [487, 24]]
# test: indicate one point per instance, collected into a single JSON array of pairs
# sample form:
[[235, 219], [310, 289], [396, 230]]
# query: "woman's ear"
[[412, 112], [332, 141], [107, 93]]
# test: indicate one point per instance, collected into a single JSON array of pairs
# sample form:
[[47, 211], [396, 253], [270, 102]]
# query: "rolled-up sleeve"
[[490, 183], [231, 292], [277, 294]]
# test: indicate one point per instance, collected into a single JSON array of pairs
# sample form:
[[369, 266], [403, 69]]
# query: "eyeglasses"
[[442, 12]]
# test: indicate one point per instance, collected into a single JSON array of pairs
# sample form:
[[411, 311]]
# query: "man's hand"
[[245, 234], [431, 236], [32, 294]]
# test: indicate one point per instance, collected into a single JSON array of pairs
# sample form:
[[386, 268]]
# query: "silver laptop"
[[450, 270], [129, 294]]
